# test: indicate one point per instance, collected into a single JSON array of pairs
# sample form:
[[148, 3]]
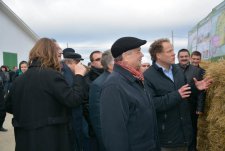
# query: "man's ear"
[[158, 56], [124, 55]]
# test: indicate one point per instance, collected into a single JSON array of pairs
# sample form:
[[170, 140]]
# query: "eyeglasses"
[[145, 66], [98, 59]]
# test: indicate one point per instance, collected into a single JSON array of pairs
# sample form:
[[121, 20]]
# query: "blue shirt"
[[168, 73]]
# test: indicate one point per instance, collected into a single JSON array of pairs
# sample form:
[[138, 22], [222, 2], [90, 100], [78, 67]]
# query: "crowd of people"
[[119, 103], [7, 77]]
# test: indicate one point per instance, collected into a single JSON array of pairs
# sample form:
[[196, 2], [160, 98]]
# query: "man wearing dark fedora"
[[70, 60], [127, 115]]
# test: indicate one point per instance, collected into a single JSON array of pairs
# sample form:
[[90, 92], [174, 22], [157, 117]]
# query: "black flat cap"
[[124, 44]]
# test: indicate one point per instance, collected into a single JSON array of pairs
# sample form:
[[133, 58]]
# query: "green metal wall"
[[10, 59]]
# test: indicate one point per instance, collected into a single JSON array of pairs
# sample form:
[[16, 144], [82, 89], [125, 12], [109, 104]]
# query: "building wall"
[[13, 38]]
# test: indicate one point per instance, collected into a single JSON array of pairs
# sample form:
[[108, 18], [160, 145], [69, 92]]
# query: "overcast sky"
[[88, 25]]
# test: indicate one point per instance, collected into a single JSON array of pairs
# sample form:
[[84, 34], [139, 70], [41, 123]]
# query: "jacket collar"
[[174, 68], [96, 70], [65, 68], [35, 63], [125, 73], [184, 67]]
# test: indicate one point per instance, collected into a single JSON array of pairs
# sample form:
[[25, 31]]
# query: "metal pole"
[[172, 38]]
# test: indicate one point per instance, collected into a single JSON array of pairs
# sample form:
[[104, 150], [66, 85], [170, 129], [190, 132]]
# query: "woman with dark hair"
[[40, 99], [23, 66]]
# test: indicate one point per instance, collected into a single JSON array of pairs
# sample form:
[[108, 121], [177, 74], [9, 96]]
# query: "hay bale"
[[211, 134]]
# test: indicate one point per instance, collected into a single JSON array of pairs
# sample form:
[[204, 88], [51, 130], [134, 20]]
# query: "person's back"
[[70, 60], [2, 102], [39, 107], [39, 100]]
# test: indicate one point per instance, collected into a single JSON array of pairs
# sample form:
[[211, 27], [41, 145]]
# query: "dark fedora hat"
[[124, 44], [68, 52], [77, 56], [70, 55]]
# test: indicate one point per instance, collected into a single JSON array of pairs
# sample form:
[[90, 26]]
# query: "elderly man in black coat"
[[71, 59], [127, 112]]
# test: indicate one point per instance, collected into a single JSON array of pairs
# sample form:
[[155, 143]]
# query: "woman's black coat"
[[39, 101]]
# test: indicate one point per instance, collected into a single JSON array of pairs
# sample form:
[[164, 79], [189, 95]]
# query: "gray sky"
[[88, 25]]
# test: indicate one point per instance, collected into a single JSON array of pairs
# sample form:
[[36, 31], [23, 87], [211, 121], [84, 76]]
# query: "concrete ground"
[[7, 142]]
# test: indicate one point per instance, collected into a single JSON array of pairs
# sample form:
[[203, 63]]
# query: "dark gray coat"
[[127, 114], [173, 113], [197, 98], [94, 106], [39, 101]]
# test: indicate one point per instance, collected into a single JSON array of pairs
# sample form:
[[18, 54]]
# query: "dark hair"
[[196, 53], [183, 50], [92, 53], [22, 62], [156, 47], [5, 67]]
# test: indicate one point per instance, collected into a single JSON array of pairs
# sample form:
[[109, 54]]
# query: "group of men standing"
[[126, 110], [154, 111]]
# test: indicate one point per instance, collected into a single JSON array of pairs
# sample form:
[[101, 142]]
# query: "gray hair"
[[107, 58], [120, 57], [67, 61]]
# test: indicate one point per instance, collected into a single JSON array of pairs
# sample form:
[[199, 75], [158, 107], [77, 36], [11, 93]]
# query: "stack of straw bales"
[[211, 125]]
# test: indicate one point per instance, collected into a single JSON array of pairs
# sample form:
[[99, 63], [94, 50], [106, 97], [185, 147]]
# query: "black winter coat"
[[173, 112], [76, 113], [39, 101], [89, 78], [2, 105], [127, 114], [197, 97]]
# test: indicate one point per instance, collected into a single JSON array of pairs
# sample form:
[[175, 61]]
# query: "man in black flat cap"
[[128, 117]]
